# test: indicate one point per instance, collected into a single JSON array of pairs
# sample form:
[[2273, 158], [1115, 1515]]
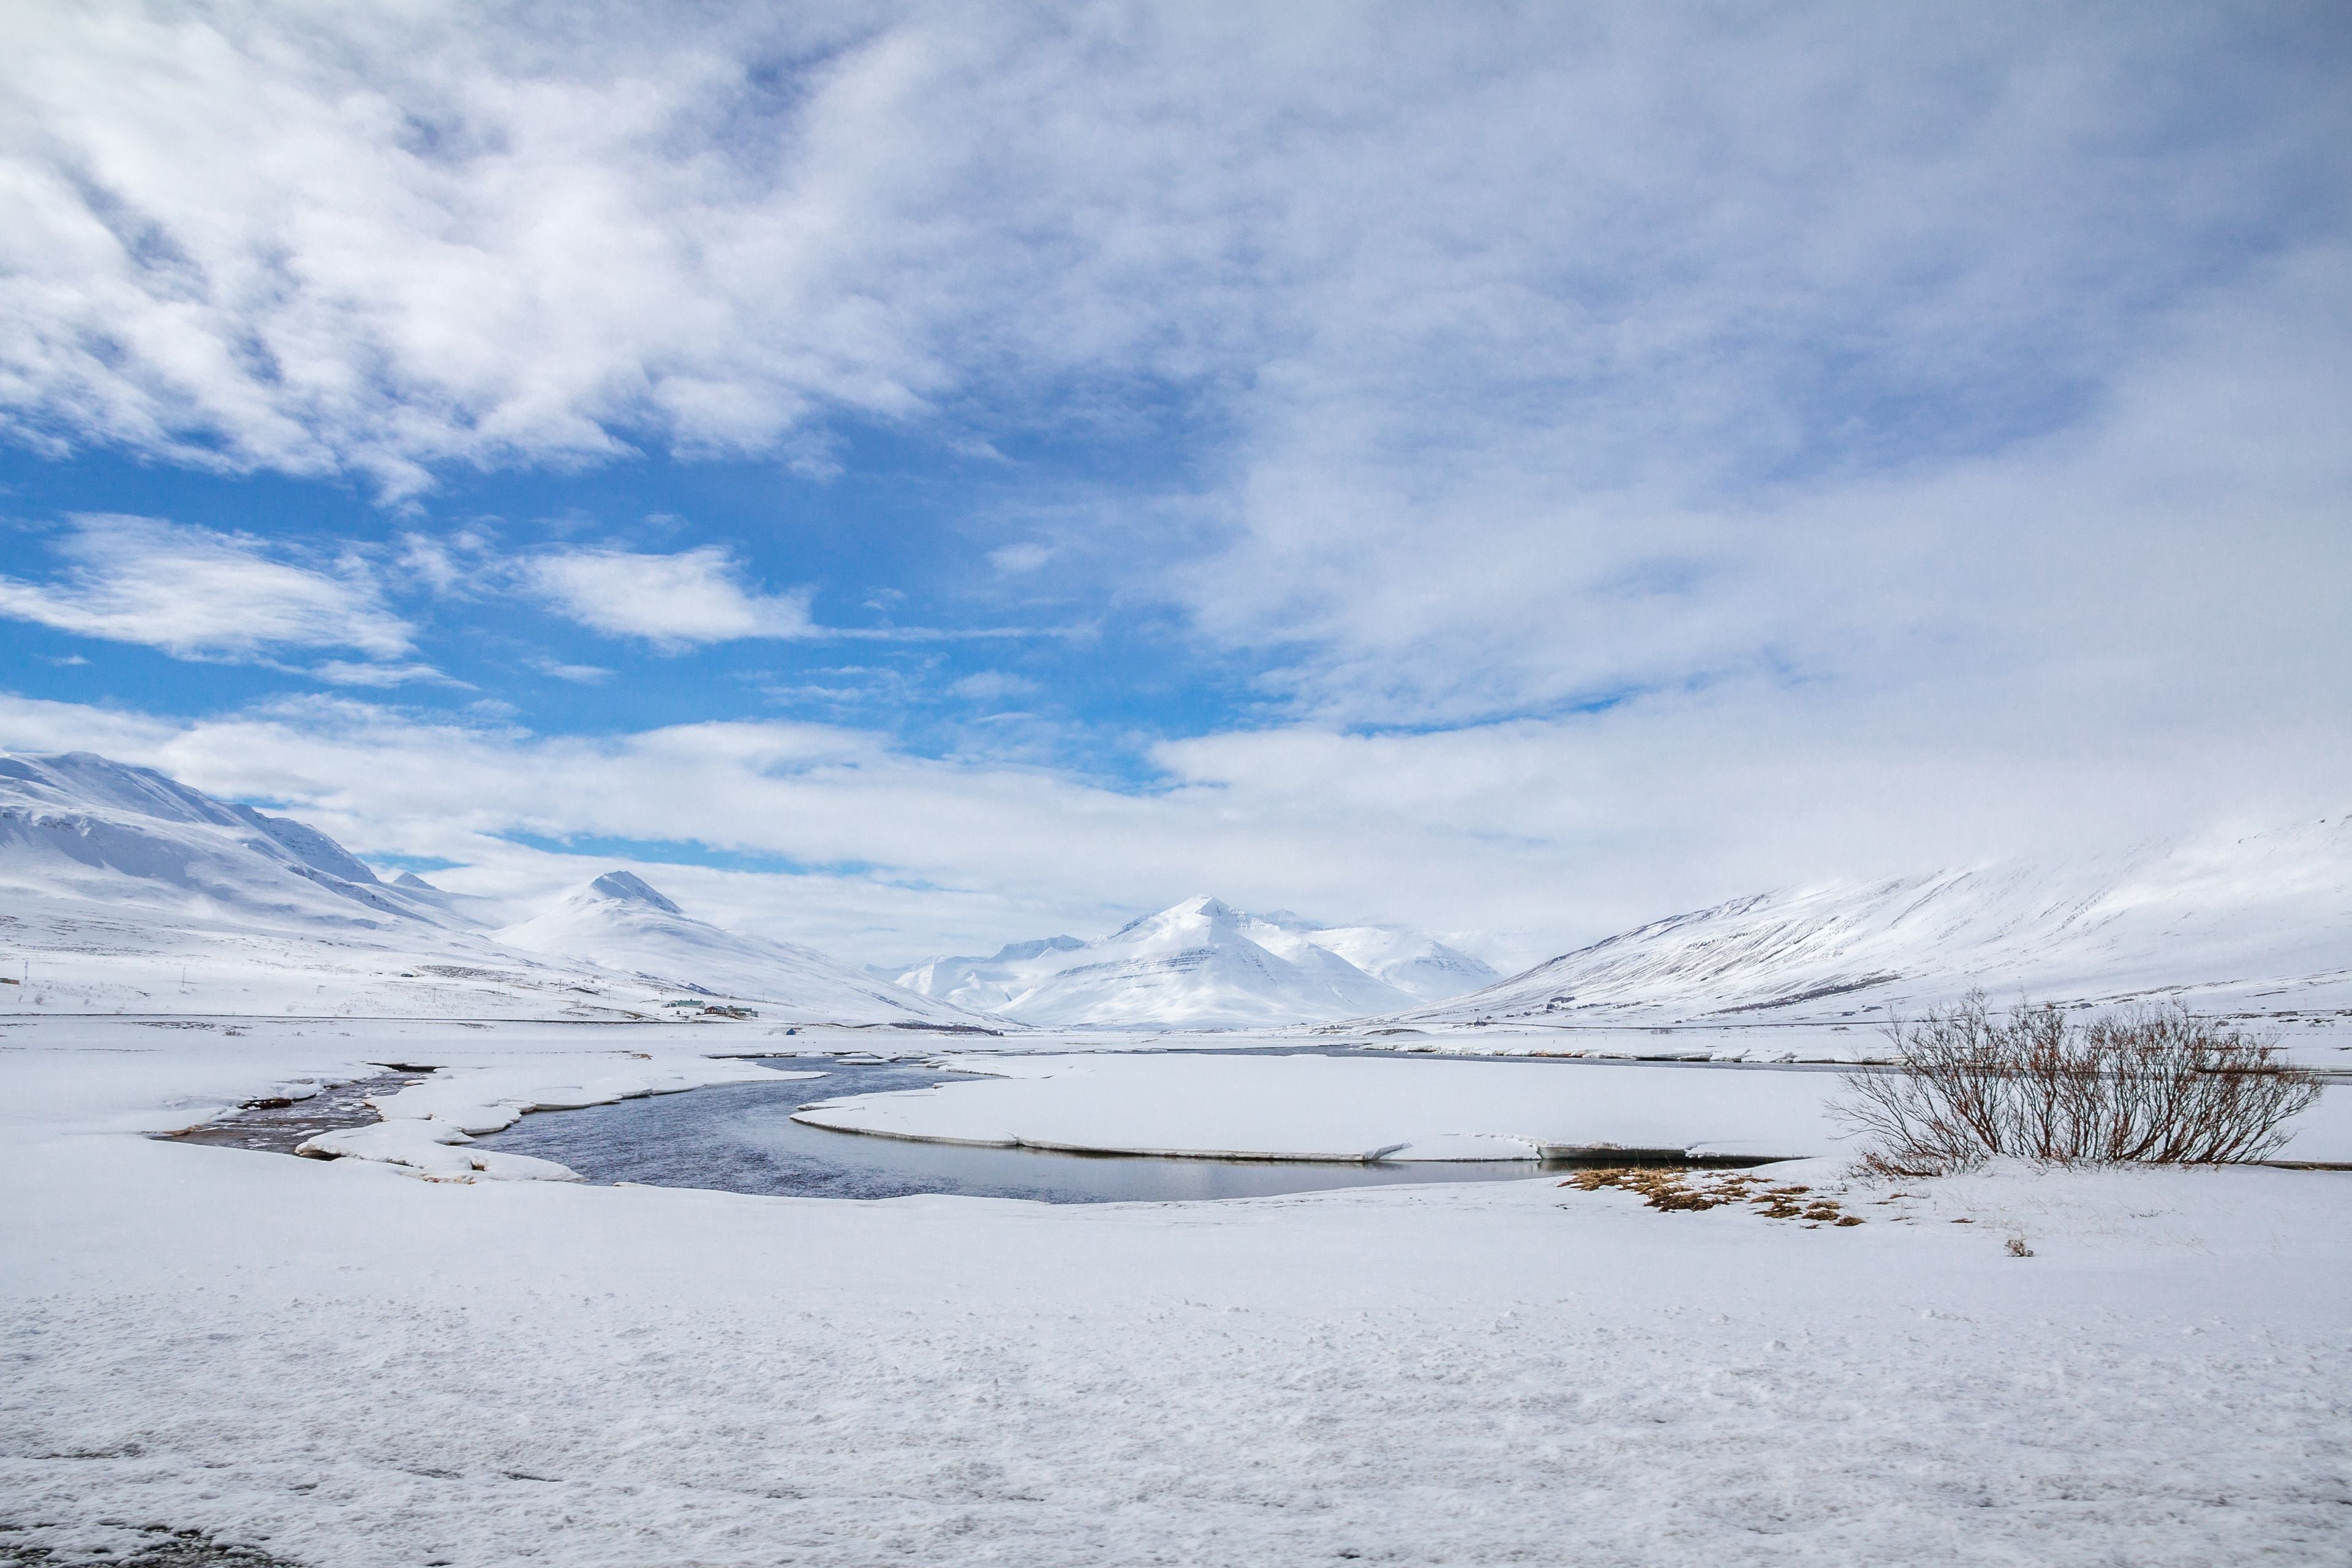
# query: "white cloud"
[[1026, 555], [993, 686], [671, 601], [2166, 563], [343, 672], [579, 674], [453, 564], [376, 239], [197, 594]]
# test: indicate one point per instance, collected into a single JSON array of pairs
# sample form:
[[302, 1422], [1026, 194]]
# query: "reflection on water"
[[740, 1138]]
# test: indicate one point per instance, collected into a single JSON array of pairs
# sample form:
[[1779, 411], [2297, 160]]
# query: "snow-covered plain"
[[1338, 1108], [1341, 1108], [351, 1366]]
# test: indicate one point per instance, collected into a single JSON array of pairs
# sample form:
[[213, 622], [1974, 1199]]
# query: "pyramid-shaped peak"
[[1201, 906], [630, 888]]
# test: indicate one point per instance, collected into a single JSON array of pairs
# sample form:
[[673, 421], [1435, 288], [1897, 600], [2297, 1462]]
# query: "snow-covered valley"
[[850, 784], [419, 1346], [338, 1366]]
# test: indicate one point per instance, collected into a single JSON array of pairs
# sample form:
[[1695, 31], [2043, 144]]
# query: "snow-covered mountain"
[[2260, 924], [80, 828], [121, 889], [1205, 964], [1418, 965], [620, 924]]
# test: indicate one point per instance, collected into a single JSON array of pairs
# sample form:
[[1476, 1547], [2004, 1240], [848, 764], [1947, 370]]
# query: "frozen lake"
[[740, 1138]]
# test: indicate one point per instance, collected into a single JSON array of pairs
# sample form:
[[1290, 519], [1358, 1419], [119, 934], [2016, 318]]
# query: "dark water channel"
[[740, 1138], [277, 1125]]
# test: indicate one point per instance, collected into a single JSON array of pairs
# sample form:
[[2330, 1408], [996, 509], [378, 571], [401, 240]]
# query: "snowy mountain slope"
[[121, 889], [81, 826], [1001, 977], [2260, 923], [622, 925], [1419, 965], [458, 909], [1200, 963]]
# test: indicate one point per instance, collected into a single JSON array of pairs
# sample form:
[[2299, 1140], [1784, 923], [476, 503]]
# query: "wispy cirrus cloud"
[[994, 686], [346, 672], [578, 674], [194, 593], [679, 599]]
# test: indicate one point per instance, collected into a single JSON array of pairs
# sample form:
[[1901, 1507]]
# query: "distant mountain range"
[[2258, 925], [619, 924], [1205, 964], [123, 890]]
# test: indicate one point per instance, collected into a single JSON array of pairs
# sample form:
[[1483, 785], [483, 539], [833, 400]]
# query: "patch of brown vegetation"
[[1663, 1187]]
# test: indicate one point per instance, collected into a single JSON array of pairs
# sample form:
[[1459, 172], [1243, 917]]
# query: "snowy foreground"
[[348, 1365]]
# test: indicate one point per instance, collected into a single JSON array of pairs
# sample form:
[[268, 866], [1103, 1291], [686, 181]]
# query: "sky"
[[907, 477]]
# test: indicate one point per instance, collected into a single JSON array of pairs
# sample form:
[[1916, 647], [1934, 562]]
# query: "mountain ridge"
[[1203, 963], [127, 888], [620, 923], [2255, 922]]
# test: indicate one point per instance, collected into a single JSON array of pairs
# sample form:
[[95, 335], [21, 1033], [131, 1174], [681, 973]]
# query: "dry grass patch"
[[1681, 1191]]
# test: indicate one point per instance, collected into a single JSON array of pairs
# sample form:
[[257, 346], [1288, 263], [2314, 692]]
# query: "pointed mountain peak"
[[629, 888], [1204, 904], [410, 879], [1199, 907]]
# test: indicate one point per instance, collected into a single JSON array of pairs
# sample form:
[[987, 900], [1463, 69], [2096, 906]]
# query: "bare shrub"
[[2157, 1084]]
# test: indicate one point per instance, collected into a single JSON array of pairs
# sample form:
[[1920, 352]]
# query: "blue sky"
[[913, 478], [911, 628]]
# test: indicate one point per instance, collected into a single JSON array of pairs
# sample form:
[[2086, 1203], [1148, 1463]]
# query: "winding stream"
[[740, 1138]]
